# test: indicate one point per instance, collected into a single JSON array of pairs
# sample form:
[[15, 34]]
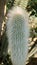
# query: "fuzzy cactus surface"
[[18, 34]]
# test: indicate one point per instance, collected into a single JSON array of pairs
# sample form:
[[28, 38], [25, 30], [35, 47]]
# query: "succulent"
[[18, 34]]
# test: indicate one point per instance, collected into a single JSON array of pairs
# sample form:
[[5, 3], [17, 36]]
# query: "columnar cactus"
[[18, 33]]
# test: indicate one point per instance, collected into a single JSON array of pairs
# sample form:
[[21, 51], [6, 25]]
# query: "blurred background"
[[31, 7]]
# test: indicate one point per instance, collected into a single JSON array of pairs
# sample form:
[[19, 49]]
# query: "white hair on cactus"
[[18, 33]]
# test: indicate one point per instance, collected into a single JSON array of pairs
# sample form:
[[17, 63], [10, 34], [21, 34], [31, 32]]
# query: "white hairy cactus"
[[18, 33]]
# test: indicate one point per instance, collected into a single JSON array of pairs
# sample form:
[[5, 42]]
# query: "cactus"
[[18, 33]]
